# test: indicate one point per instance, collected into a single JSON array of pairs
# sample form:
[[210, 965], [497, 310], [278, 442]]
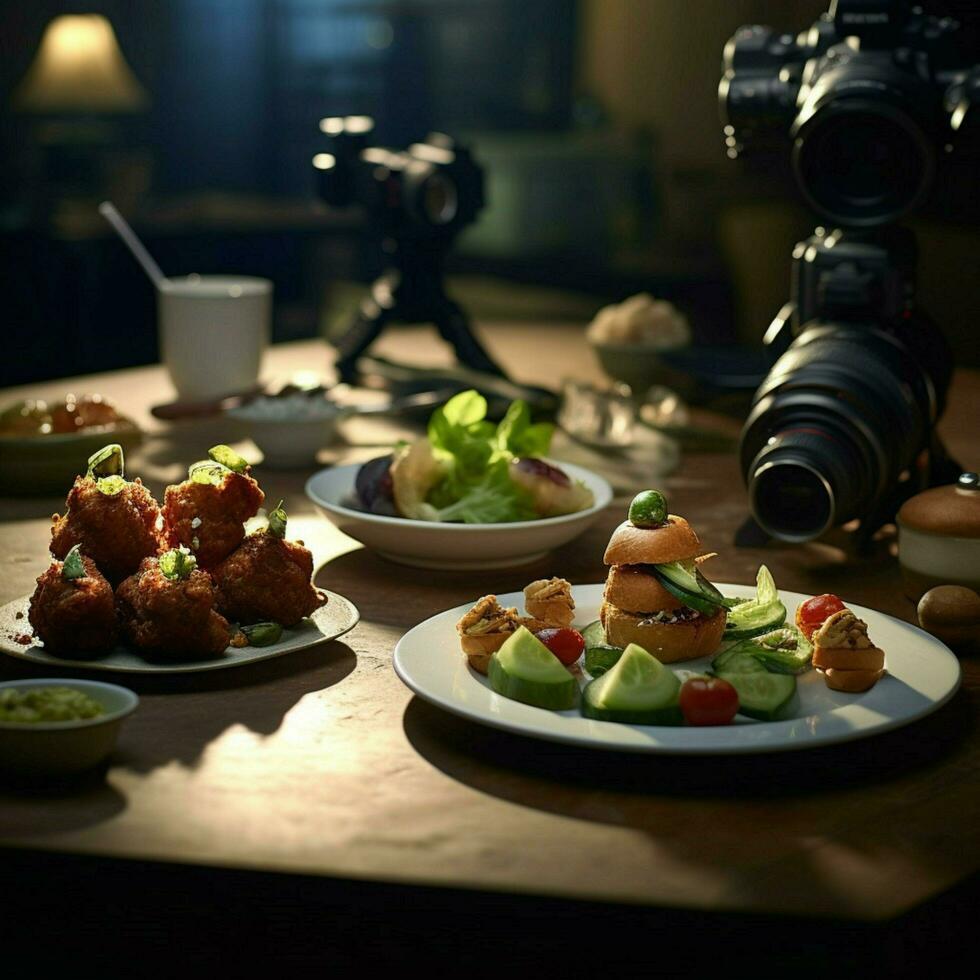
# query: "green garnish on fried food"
[[73, 567], [277, 521], [227, 456], [207, 471], [177, 564], [108, 461], [262, 634], [107, 468]]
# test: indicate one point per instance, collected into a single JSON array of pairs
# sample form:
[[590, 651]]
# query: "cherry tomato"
[[565, 643], [812, 614], [708, 701]]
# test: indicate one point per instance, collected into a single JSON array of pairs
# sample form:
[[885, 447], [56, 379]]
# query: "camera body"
[[843, 426], [869, 99], [427, 192]]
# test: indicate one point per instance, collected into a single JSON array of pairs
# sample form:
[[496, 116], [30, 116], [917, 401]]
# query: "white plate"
[[330, 621], [427, 544], [922, 675]]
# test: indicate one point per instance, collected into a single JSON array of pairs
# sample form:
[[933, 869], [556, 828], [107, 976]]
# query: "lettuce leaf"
[[477, 488]]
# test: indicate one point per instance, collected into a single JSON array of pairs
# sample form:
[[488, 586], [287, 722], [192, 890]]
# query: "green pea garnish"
[[648, 509], [207, 471], [262, 634], [108, 461], [277, 521], [73, 567], [177, 564], [228, 457]]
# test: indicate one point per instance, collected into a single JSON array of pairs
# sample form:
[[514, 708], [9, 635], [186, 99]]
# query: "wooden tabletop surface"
[[323, 763]]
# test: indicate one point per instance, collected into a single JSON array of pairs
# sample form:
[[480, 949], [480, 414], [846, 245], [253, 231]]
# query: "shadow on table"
[[35, 806], [386, 591], [181, 714], [552, 776], [184, 713]]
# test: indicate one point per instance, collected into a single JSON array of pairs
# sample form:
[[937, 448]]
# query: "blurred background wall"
[[596, 120]]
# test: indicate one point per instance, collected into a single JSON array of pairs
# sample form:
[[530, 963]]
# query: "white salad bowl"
[[429, 544], [62, 747]]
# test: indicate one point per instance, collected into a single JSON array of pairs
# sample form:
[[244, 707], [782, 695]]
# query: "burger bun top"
[[632, 545]]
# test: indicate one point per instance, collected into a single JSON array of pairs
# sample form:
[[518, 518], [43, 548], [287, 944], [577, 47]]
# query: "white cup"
[[213, 331]]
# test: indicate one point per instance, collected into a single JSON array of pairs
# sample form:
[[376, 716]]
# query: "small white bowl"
[[288, 442], [62, 747], [428, 544]]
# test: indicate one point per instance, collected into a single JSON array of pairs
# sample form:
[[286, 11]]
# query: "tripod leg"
[[454, 327], [364, 330]]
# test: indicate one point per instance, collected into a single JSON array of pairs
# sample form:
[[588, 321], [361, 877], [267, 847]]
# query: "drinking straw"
[[108, 211]]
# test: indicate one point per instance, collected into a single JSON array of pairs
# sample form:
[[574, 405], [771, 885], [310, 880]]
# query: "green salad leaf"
[[517, 436], [475, 453]]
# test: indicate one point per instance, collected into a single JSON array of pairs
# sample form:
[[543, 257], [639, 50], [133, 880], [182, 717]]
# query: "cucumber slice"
[[524, 669], [762, 695], [687, 576], [594, 635], [737, 660], [600, 656], [638, 690], [693, 600], [753, 617]]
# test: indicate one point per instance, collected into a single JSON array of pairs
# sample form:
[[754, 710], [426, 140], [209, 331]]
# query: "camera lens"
[[840, 416], [791, 499], [862, 167], [440, 201]]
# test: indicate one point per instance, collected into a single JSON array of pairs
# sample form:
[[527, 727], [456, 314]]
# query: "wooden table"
[[314, 799]]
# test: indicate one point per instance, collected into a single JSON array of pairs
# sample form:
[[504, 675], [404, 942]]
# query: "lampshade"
[[79, 68]]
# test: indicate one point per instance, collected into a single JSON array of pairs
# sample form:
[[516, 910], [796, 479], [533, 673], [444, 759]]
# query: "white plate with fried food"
[[921, 675], [330, 621]]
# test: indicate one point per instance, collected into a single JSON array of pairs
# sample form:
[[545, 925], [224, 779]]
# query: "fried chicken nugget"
[[172, 615], [116, 530], [74, 613], [210, 518], [268, 579]]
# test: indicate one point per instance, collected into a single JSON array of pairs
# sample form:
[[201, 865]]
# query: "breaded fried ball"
[[267, 579], [74, 616], [116, 530], [171, 617], [210, 519]]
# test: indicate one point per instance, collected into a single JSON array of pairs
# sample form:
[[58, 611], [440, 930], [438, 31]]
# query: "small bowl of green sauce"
[[57, 726]]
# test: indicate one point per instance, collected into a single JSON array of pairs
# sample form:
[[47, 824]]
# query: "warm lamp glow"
[[79, 68]]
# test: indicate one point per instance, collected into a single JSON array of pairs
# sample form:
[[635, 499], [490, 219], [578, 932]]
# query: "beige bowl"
[[640, 366], [939, 537], [63, 747]]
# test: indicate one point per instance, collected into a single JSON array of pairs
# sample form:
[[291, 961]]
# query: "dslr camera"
[[869, 100]]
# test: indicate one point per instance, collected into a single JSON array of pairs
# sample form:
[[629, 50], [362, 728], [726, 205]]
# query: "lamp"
[[79, 68], [82, 145]]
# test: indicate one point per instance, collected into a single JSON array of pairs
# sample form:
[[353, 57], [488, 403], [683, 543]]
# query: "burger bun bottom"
[[668, 642]]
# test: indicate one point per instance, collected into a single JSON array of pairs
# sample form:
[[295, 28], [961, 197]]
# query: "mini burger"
[[483, 629], [654, 595]]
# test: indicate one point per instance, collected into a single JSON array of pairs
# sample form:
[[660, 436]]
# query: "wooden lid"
[[952, 511]]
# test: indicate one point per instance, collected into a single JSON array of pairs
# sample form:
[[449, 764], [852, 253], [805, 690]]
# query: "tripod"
[[411, 291]]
